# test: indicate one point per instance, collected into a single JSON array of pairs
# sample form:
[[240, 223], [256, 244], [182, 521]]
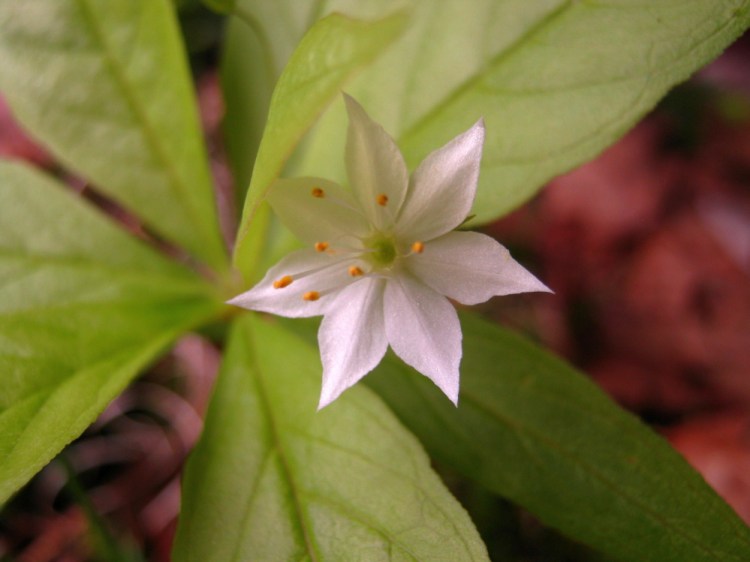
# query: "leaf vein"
[[589, 469], [174, 180], [287, 472]]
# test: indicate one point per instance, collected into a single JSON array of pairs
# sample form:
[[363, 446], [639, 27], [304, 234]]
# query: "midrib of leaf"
[[174, 180], [521, 429], [619, 120], [360, 518], [75, 306], [497, 59], [157, 343], [552, 397], [30, 398], [179, 288], [45, 394], [81, 263], [538, 27], [303, 523]]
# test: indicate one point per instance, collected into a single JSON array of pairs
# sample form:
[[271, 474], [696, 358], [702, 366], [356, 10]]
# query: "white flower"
[[382, 258]]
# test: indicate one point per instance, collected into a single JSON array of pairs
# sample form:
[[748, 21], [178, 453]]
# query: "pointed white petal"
[[442, 188], [375, 166], [310, 271], [470, 268], [423, 329], [333, 215], [351, 337]]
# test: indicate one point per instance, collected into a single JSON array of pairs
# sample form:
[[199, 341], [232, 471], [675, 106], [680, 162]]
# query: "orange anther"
[[417, 247], [321, 246], [311, 296], [318, 192], [382, 199], [283, 282], [355, 271]]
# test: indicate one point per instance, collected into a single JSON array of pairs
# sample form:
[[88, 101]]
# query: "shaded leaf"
[[535, 431]]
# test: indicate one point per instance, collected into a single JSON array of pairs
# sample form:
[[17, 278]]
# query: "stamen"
[[299, 275], [321, 246], [283, 282], [311, 296], [355, 271], [319, 193], [382, 199], [417, 247]]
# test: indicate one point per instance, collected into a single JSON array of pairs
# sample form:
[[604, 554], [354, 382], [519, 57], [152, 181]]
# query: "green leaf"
[[246, 83], [58, 408], [106, 87], [272, 479], [83, 306], [222, 6], [535, 431], [327, 56], [258, 44], [556, 81]]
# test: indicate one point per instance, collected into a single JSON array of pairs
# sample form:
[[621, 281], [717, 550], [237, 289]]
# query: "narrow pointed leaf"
[[326, 57], [272, 479], [246, 85], [83, 306], [106, 87], [535, 431], [258, 43]]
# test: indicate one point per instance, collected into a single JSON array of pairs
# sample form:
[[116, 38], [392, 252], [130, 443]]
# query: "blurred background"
[[647, 249]]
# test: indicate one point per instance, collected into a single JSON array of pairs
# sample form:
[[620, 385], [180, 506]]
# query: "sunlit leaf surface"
[[272, 479], [105, 86], [84, 306]]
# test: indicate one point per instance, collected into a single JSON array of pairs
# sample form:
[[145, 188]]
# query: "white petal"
[[470, 268], [375, 166], [310, 271], [423, 329], [442, 188], [351, 337], [334, 216]]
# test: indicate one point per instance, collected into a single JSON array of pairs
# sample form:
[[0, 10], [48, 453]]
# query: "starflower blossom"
[[383, 258]]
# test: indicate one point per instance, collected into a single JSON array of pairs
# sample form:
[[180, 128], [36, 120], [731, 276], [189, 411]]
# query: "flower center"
[[382, 250]]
